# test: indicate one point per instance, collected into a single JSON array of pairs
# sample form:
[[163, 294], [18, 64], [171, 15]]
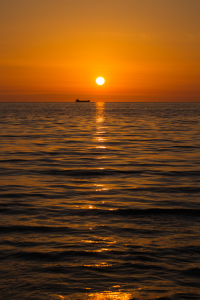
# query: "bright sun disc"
[[100, 80]]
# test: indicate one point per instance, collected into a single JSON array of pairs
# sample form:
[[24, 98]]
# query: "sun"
[[100, 80]]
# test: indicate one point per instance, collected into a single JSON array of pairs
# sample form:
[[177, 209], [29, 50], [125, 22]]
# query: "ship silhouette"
[[77, 100]]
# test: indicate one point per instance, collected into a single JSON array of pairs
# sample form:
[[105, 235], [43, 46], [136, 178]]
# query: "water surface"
[[99, 201]]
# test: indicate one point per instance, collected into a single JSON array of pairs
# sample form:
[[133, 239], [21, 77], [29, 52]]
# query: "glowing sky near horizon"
[[142, 48]]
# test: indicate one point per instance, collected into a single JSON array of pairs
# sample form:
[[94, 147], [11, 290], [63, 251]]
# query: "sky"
[[53, 50]]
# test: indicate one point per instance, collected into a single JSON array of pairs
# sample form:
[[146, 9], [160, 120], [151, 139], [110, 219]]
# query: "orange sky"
[[147, 50]]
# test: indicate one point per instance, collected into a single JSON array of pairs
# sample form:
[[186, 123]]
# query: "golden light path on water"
[[107, 295], [100, 138], [110, 296]]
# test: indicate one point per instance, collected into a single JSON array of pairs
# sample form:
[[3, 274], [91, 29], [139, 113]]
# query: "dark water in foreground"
[[99, 201]]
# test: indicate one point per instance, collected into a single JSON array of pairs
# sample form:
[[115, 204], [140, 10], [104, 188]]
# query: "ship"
[[77, 100]]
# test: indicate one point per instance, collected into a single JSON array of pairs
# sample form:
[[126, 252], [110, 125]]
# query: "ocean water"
[[99, 201]]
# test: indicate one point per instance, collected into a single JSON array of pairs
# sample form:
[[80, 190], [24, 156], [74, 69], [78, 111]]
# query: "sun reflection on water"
[[111, 296], [101, 265], [100, 132], [101, 147], [106, 295], [99, 141]]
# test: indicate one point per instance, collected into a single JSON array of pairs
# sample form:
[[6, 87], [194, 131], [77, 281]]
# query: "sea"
[[99, 201]]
